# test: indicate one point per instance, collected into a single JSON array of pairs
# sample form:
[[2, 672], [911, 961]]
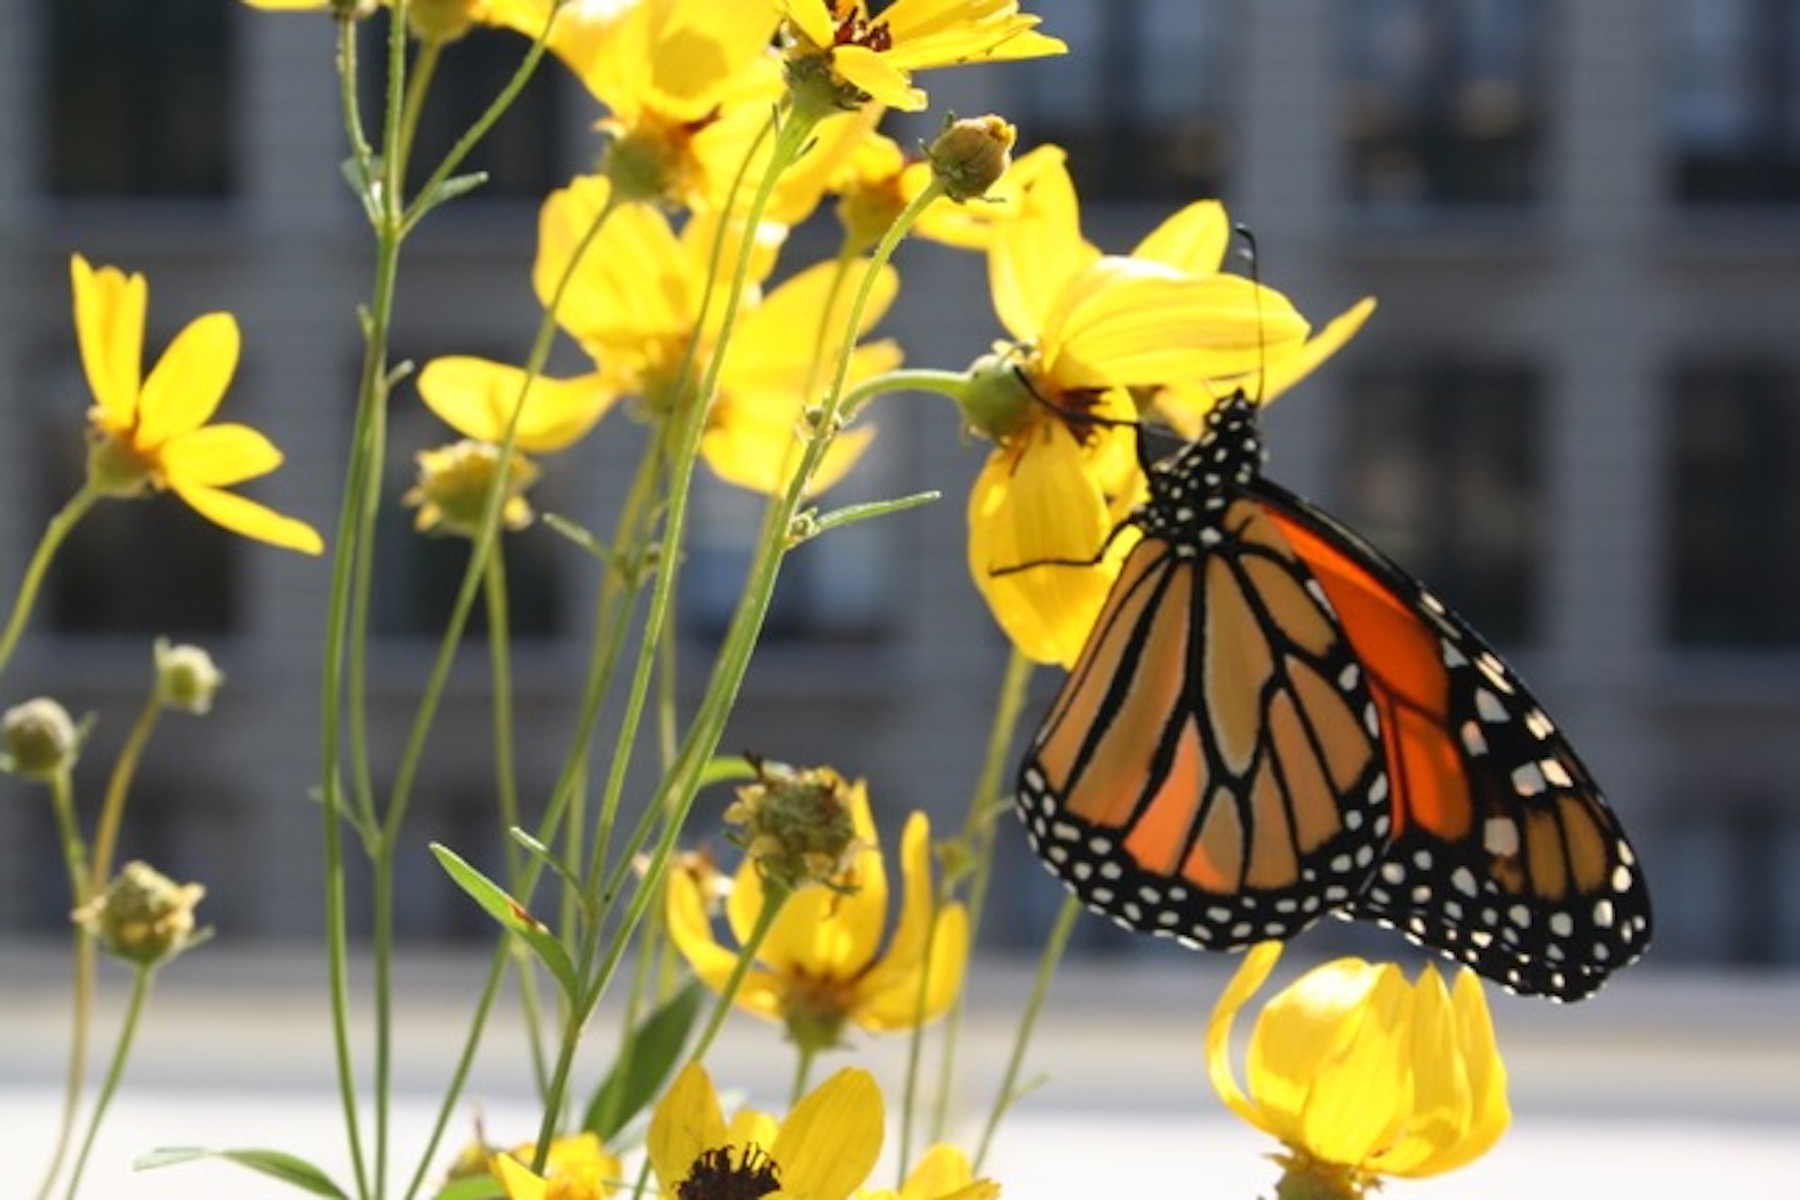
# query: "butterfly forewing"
[[1504, 853]]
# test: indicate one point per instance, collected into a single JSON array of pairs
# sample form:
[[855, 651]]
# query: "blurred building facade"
[[1577, 411]]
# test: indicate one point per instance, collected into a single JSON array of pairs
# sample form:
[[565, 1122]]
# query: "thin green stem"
[[910, 379], [118, 787], [62, 798], [978, 837], [115, 1071], [26, 598], [506, 784], [1054, 945], [418, 82], [804, 1057], [775, 898]]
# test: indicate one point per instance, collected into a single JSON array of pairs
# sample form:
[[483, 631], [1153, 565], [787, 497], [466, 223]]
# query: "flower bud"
[[971, 155], [38, 740], [796, 825], [115, 468], [186, 678], [453, 487], [997, 401], [143, 916], [440, 21]]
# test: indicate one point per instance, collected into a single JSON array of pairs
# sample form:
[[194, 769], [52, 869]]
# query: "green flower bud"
[[38, 740], [186, 678], [970, 155], [143, 916], [796, 825], [453, 487]]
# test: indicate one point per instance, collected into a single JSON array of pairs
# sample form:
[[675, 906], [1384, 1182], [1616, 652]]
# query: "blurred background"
[[1577, 412]]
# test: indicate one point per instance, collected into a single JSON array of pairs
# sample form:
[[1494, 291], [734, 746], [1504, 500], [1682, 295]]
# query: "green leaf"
[[724, 770], [542, 854], [474, 1187], [273, 1163], [851, 514], [647, 1059], [513, 917], [450, 189]]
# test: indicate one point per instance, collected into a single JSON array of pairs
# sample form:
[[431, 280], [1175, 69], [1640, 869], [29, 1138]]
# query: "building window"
[[521, 154], [1442, 101], [1733, 114], [139, 97], [1140, 106], [1443, 476], [1735, 434]]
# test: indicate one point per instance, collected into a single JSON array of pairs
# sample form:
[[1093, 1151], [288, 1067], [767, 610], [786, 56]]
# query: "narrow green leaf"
[[851, 514], [450, 189], [724, 770], [542, 854], [273, 1163], [648, 1057], [512, 916], [474, 1187]]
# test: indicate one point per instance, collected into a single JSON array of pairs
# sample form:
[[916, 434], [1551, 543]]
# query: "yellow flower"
[[1088, 330], [151, 431], [876, 55], [635, 303], [817, 968], [1361, 1075], [476, 398], [577, 1168], [826, 1147], [943, 1173]]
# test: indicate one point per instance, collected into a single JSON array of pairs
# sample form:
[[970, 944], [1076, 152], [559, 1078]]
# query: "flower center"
[[716, 1177], [856, 29]]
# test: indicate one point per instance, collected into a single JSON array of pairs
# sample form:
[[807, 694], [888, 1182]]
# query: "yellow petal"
[[889, 995], [518, 1180], [476, 397], [802, 322], [1441, 1101], [1284, 372], [944, 1173], [1032, 258], [812, 18], [218, 456], [250, 519], [829, 1142], [1258, 963], [825, 934], [1127, 323], [687, 1123], [1303, 1029], [691, 931], [1036, 517], [1192, 241], [109, 324], [700, 45], [1360, 1096], [762, 456], [876, 74], [1488, 1115], [185, 387], [752, 1128]]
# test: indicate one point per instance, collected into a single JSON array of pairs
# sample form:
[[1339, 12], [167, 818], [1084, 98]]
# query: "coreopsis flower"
[[635, 303], [576, 1168], [873, 56], [1087, 330], [187, 679], [825, 1147], [819, 967], [1361, 1075], [151, 432], [38, 740], [143, 916], [797, 826], [942, 1173]]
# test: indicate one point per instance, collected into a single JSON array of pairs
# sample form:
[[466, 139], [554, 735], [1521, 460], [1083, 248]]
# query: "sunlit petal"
[[687, 1122], [1258, 963], [109, 324], [252, 520], [185, 387], [218, 456], [1033, 257], [829, 1142], [475, 397], [1193, 241]]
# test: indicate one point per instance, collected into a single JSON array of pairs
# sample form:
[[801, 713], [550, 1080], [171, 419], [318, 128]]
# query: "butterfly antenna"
[[1262, 348]]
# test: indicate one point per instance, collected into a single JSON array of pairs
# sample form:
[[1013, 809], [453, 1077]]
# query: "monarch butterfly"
[[1272, 721]]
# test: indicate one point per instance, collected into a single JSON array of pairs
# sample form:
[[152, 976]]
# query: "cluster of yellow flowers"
[[658, 266]]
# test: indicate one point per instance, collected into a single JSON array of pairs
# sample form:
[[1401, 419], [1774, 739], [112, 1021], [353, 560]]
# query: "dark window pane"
[[140, 97], [1441, 101], [520, 153], [1733, 114], [1736, 560], [1443, 477], [1137, 103]]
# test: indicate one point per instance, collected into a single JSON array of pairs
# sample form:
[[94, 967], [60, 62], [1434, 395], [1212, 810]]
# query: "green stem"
[[65, 520], [909, 379], [775, 898], [418, 82], [118, 787], [804, 1057], [69, 834], [115, 1071], [506, 785], [978, 836], [1040, 989]]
